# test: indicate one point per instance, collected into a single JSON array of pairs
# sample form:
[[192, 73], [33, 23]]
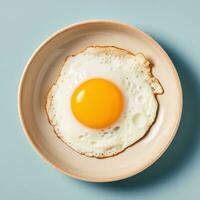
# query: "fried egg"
[[103, 101]]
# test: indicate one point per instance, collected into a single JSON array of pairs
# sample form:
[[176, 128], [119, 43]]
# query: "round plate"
[[43, 69]]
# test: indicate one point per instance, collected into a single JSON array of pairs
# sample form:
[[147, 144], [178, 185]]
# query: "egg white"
[[131, 73]]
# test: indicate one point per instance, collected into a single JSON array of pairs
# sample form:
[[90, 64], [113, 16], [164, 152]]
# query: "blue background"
[[25, 24]]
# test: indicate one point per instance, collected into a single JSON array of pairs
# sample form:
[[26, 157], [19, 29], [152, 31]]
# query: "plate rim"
[[76, 25]]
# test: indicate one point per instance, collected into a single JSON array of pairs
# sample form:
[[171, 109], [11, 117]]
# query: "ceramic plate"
[[43, 69]]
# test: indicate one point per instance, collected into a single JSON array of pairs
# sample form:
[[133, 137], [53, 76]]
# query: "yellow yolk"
[[97, 103]]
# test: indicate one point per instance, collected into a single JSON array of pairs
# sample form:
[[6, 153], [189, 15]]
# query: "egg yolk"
[[97, 103]]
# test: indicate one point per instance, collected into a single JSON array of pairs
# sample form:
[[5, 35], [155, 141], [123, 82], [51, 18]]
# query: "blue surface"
[[25, 24]]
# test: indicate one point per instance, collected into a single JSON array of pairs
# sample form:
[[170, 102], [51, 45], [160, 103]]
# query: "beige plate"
[[42, 70]]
